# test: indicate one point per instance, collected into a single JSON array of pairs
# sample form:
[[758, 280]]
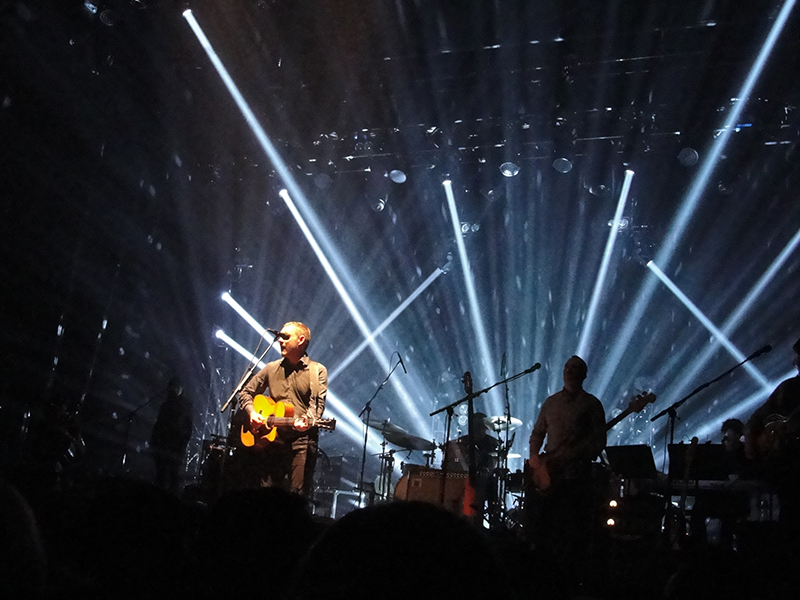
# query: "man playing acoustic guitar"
[[301, 384]]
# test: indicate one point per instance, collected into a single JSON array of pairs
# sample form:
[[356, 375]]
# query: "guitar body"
[[276, 413], [537, 474], [775, 439]]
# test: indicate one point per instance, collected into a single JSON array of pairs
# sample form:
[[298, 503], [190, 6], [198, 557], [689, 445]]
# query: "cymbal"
[[384, 426], [501, 423], [509, 455], [408, 441]]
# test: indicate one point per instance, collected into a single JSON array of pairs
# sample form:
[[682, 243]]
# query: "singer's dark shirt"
[[291, 384]]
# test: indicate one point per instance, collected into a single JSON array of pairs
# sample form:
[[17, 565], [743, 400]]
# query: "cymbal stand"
[[385, 475], [365, 416], [497, 508]]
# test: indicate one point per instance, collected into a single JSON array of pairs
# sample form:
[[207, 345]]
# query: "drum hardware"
[[502, 423], [408, 441], [383, 426]]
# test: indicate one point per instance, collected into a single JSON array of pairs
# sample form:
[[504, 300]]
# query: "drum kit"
[[494, 454]]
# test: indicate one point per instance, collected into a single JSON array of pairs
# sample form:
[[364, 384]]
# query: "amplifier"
[[424, 484]]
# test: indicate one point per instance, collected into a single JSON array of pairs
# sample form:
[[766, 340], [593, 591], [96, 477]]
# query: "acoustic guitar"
[[777, 434], [539, 475], [278, 414]]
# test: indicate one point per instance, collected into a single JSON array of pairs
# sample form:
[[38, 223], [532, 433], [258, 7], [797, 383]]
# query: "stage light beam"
[[472, 296], [591, 315], [284, 173], [690, 202], [706, 322], [388, 321]]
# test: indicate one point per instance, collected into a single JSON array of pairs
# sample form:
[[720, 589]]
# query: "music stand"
[[710, 462], [632, 462]]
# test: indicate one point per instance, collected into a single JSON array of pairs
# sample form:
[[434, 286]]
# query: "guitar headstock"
[[327, 424], [641, 400]]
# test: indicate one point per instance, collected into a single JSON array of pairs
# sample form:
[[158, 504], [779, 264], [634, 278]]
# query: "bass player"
[[301, 383], [561, 521]]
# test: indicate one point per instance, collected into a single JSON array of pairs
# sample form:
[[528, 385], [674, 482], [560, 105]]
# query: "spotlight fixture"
[[323, 181], [622, 224], [509, 169], [596, 188], [110, 17], [492, 194], [380, 203], [397, 176], [726, 185], [688, 157], [562, 165]]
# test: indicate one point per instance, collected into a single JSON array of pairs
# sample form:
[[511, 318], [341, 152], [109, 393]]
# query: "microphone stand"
[[672, 409], [498, 510], [471, 395], [368, 410], [248, 374], [452, 405], [672, 412], [239, 386], [129, 420]]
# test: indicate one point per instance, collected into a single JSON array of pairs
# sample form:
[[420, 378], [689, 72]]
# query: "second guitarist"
[[297, 380], [562, 521]]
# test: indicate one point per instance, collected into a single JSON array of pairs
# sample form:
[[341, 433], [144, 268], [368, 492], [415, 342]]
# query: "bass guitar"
[[539, 475], [278, 414]]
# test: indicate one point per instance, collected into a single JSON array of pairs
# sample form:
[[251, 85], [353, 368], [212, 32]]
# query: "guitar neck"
[[289, 422], [280, 421], [618, 418]]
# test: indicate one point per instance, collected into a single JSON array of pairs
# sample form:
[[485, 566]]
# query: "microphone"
[[533, 368], [761, 351], [400, 358], [277, 333]]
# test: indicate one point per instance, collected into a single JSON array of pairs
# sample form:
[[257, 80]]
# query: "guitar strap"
[[316, 391]]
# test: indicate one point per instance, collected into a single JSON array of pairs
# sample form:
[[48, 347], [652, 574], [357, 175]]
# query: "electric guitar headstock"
[[639, 401]]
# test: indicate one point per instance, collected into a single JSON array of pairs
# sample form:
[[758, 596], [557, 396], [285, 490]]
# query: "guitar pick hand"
[[256, 420]]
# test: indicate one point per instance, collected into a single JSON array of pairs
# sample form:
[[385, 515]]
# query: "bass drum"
[[424, 484]]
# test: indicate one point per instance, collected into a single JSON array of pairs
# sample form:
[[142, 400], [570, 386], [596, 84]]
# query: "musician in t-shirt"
[[563, 519]]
